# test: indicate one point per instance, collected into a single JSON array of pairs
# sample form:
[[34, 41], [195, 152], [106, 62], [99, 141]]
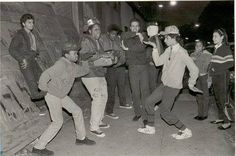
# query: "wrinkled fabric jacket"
[[114, 46], [59, 79], [20, 47], [90, 52]]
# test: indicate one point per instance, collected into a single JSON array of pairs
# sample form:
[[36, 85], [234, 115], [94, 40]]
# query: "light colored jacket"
[[59, 79], [174, 62]]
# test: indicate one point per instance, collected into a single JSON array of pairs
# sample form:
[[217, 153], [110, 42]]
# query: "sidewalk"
[[122, 138]]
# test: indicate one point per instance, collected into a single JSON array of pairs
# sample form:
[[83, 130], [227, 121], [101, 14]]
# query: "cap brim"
[[163, 33], [86, 27]]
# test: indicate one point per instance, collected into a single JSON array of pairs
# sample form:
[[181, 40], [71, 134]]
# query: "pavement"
[[122, 138]]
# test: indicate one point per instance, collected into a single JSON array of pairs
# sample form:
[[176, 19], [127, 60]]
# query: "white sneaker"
[[98, 133], [126, 106], [147, 130], [187, 133], [156, 108], [112, 116], [179, 133], [103, 125]]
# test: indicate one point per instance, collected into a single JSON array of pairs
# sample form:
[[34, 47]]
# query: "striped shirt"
[[221, 60]]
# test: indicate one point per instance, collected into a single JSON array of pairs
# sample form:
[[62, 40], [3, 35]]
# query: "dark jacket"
[[221, 60], [20, 47], [115, 47], [136, 55], [90, 52]]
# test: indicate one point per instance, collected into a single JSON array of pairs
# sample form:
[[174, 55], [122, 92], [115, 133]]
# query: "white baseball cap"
[[172, 29]]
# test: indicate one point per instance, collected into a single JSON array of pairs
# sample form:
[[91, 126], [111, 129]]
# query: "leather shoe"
[[42, 152], [145, 122], [204, 118], [197, 117], [86, 141]]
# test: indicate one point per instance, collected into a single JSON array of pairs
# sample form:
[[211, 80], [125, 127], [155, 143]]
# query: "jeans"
[[220, 84], [167, 97], [31, 74], [203, 99], [138, 76], [115, 78], [55, 106], [97, 88]]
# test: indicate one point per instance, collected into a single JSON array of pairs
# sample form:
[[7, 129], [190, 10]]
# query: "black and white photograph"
[[117, 78]]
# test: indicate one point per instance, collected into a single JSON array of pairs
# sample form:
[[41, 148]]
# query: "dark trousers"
[[138, 76], [31, 74], [167, 97], [203, 99], [154, 77], [115, 78], [220, 84]]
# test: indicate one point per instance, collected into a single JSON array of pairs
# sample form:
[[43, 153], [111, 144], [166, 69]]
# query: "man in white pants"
[[95, 82], [57, 81]]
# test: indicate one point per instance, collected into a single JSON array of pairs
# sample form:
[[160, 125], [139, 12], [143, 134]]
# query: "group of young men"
[[101, 68]]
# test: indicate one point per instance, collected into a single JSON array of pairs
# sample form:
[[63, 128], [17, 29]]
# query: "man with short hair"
[[24, 48], [202, 58], [57, 81], [95, 82], [115, 75], [136, 59], [174, 60]]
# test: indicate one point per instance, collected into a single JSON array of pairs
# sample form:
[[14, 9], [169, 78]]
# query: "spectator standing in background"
[[25, 48], [136, 59], [202, 59], [115, 75], [222, 60]]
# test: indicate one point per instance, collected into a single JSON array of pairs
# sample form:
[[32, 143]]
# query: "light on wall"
[[173, 2], [160, 5]]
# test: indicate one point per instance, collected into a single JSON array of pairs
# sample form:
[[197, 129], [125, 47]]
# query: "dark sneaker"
[[42, 152], [136, 118], [126, 106], [86, 141], [98, 133], [197, 117], [104, 125], [145, 122], [112, 116]]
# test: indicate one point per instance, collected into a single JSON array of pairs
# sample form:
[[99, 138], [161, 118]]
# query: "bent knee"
[[57, 124], [77, 112]]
